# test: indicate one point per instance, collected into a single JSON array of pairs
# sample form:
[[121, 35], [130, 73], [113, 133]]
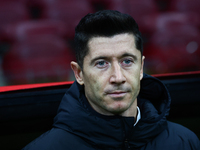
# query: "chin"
[[117, 110]]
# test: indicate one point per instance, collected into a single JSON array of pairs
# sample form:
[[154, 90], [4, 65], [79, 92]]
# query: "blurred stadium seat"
[[107, 4], [143, 11], [174, 19], [70, 12], [38, 59], [163, 5], [18, 1], [12, 12], [185, 6], [23, 30], [174, 47]]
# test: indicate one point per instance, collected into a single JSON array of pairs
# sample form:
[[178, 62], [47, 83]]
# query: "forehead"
[[116, 45]]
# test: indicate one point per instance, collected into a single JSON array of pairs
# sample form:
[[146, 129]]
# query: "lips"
[[117, 94]]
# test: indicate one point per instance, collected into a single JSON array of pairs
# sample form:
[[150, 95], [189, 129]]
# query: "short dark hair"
[[105, 23]]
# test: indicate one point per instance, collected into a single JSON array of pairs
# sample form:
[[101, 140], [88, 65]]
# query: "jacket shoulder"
[[184, 135], [174, 137], [55, 139], [181, 130]]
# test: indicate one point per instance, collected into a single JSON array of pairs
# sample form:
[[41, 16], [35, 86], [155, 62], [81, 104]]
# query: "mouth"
[[117, 94]]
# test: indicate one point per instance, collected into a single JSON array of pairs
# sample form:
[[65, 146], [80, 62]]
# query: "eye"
[[101, 64], [127, 62]]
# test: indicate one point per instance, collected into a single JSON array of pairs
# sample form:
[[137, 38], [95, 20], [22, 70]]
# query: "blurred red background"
[[36, 36]]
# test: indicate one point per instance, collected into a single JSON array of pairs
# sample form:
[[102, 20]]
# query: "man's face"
[[111, 74]]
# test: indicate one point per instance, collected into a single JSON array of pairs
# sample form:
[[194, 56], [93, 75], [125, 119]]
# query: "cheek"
[[97, 81], [92, 83], [134, 80], [97, 88]]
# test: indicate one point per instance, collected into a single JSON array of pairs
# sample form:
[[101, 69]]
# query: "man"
[[112, 105]]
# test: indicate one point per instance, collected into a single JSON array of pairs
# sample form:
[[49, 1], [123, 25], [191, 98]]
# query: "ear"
[[77, 72], [142, 66]]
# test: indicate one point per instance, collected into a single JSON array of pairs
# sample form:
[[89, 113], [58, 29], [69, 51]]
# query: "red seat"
[[18, 1], [163, 5], [171, 47], [37, 60], [186, 6], [175, 19], [70, 12], [21, 31], [174, 49], [141, 11], [12, 12], [108, 4]]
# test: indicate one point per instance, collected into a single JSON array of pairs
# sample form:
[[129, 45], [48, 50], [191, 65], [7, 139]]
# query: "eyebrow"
[[131, 55], [106, 58], [97, 58]]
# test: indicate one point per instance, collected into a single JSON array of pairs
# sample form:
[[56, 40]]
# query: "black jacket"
[[78, 127]]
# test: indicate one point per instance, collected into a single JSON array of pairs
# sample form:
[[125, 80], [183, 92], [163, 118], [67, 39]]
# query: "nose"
[[117, 76]]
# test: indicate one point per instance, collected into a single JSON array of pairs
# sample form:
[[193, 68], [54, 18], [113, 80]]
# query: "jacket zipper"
[[126, 144], [126, 141]]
